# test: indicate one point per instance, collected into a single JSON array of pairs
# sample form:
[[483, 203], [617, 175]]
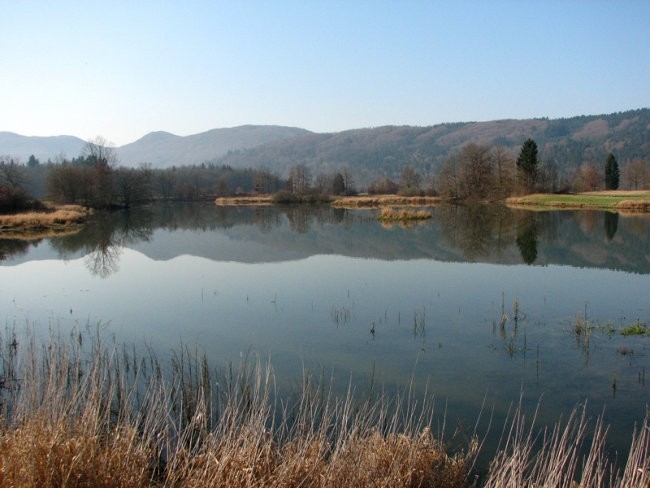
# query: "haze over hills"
[[372, 152], [160, 149], [43, 148], [163, 149]]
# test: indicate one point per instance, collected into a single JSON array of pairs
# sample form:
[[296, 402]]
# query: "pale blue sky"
[[122, 69]]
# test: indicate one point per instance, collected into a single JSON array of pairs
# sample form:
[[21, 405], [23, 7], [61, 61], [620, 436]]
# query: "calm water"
[[334, 291]]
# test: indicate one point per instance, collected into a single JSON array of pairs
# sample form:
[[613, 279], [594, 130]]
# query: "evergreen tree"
[[527, 163], [612, 174]]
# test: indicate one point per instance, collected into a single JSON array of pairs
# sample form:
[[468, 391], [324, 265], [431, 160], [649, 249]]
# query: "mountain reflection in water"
[[482, 233]]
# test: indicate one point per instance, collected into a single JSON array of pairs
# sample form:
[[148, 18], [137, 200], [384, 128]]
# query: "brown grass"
[[259, 200], [98, 416], [376, 201], [61, 219], [75, 412], [391, 214]]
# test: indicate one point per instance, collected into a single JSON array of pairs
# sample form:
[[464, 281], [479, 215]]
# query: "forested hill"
[[384, 151]]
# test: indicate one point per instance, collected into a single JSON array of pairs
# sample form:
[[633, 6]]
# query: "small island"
[[45, 222]]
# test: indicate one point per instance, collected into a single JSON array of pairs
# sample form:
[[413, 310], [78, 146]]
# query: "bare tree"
[[409, 183], [102, 157], [635, 174], [300, 178], [476, 171]]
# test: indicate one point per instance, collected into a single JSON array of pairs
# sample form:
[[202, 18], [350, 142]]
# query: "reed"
[[569, 455], [79, 410], [89, 413]]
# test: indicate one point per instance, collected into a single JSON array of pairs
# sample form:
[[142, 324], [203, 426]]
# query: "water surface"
[[477, 305]]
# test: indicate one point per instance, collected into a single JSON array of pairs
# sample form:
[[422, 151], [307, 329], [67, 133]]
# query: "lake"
[[479, 305]]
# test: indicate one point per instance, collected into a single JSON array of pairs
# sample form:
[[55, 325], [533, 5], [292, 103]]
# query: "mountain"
[[384, 151], [369, 153], [43, 148], [163, 149]]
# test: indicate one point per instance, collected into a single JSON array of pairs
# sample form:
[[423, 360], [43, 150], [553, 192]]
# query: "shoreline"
[[617, 201]]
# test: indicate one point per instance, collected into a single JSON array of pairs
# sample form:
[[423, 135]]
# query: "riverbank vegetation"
[[79, 411], [475, 174], [601, 200], [45, 222]]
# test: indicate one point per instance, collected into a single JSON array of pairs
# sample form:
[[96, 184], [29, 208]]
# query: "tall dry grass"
[[79, 412], [60, 217], [570, 455]]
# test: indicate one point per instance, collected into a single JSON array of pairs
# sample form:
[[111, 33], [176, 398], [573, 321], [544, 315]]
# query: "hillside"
[[386, 150]]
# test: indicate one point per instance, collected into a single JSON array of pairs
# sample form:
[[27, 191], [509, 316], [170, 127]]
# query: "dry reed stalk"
[[85, 413], [556, 459]]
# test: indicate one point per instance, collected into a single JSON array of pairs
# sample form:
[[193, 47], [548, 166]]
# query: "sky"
[[121, 69]]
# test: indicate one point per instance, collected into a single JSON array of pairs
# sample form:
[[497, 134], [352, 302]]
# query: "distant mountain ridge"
[[160, 149], [371, 152], [163, 149], [384, 151], [43, 148]]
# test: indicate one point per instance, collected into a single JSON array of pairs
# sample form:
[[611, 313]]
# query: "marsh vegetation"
[[79, 411]]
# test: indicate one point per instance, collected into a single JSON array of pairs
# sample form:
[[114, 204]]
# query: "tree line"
[[476, 172]]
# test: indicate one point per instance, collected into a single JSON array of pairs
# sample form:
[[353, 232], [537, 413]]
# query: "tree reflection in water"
[[611, 225], [487, 233]]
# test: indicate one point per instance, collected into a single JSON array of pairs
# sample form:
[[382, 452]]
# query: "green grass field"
[[606, 200]]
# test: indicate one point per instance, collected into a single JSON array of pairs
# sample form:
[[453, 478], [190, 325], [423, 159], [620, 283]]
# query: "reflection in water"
[[102, 239], [15, 247], [479, 233], [611, 225], [527, 240]]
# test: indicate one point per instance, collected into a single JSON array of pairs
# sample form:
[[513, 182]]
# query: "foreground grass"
[[632, 201], [63, 219], [105, 418], [75, 414]]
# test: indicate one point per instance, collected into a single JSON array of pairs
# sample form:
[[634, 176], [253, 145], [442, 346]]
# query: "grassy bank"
[[630, 201], [260, 200], [56, 221], [78, 412], [364, 201], [376, 201], [404, 215]]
